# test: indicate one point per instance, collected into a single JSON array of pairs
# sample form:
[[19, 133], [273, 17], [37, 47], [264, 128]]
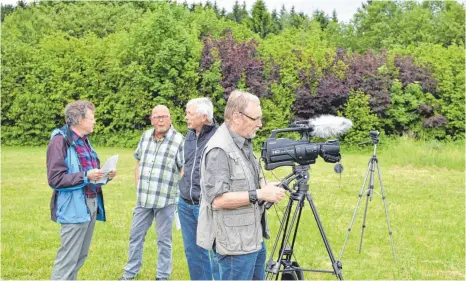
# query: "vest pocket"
[[240, 230]]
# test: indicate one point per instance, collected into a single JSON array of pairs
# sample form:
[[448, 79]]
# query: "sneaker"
[[126, 278], [161, 278]]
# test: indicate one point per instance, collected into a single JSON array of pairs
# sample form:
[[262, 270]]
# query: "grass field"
[[423, 183]]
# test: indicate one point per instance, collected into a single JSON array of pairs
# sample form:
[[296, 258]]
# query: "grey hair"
[[203, 106], [238, 102], [77, 109]]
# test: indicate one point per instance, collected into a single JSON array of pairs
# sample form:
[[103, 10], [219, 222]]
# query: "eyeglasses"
[[159, 117], [253, 119], [86, 118]]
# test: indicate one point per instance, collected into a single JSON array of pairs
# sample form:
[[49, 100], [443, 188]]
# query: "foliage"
[[364, 120], [260, 21], [406, 57], [386, 24]]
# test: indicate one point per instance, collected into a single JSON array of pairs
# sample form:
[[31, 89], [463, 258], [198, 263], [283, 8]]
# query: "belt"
[[91, 195], [189, 202]]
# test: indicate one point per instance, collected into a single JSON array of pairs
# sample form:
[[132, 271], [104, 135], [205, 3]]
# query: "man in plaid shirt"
[[159, 167]]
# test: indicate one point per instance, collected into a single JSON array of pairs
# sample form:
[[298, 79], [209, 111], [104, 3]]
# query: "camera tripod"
[[373, 164], [291, 269]]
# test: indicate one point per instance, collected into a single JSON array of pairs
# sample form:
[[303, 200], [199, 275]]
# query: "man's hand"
[[95, 174], [270, 192], [111, 174]]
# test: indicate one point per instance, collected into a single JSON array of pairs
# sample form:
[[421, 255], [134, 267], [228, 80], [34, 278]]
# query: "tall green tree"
[[276, 24], [6, 10], [334, 16], [239, 13], [387, 24], [260, 19], [321, 17], [284, 17]]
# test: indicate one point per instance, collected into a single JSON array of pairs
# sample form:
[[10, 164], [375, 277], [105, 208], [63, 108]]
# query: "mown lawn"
[[425, 200]]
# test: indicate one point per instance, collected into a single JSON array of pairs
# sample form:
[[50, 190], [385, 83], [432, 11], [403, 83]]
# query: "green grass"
[[423, 183], [409, 152]]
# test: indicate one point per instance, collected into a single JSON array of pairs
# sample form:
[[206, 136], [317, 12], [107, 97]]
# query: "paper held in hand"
[[110, 165]]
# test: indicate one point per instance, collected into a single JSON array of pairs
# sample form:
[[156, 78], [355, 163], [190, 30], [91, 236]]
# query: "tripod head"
[[301, 175], [374, 136]]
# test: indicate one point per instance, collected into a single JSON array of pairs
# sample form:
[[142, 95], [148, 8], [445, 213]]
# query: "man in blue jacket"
[[201, 127], [76, 203]]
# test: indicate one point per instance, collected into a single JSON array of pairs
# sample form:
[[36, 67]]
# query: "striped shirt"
[[160, 163]]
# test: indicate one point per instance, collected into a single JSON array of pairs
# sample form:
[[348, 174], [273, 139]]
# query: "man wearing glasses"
[[230, 220], [159, 166]]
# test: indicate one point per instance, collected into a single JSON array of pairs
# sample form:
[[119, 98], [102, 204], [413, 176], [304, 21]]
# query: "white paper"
[[110, 165], [177, 220]]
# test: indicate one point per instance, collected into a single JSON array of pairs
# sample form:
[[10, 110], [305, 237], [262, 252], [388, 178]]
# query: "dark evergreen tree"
[[334, 16], [6, 10], [223, 13], [244, 13], [236, 13], [321, 17], [260, 19], [215, 8], [276, 24]]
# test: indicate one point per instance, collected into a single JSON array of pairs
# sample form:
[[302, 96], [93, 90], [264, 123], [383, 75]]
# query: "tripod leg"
[[369, 196], [335, 264], [386, 211], [273, 267], [364, 222], [355, 211]]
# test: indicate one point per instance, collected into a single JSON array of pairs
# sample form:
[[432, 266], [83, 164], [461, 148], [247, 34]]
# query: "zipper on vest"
[[192, 172]]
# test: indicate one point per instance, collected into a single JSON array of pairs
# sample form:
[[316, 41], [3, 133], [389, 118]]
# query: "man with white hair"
[[201, 127], [230, 219], [159, 165]]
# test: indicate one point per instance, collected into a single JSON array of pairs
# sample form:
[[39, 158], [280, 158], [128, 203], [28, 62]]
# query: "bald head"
[[160, 120], [161, 109]]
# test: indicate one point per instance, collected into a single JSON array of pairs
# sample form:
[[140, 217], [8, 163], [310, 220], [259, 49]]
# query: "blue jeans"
[[200, 265], [243, 267]]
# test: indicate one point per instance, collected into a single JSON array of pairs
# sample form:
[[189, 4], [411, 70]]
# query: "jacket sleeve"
[[57, 175]]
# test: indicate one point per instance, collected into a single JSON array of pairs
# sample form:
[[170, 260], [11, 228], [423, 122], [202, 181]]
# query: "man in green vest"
[[230, 220]]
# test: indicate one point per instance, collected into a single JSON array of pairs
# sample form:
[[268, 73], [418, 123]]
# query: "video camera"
[[287, 152]]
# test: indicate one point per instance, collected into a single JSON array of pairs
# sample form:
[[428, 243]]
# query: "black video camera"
[[286, 152]]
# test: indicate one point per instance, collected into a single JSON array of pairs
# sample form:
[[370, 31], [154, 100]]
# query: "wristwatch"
[[252, 196]]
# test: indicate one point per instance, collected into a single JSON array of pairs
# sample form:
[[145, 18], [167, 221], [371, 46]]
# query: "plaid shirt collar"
[[167, 135], [75, 137], [87, 158]]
